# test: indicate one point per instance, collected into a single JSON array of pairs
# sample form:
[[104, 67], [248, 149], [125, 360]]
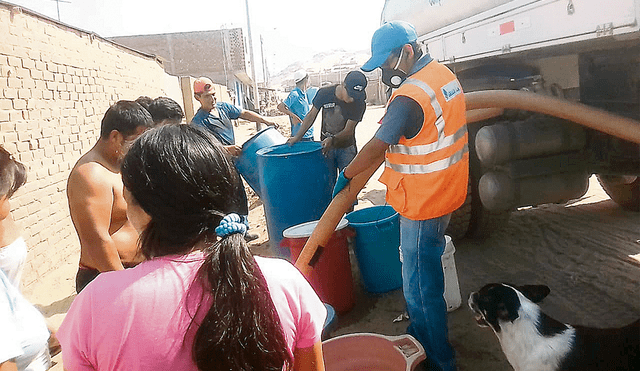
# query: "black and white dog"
[[533, 341]]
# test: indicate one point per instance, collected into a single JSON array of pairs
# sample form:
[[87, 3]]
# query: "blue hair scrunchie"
[[232, 223]]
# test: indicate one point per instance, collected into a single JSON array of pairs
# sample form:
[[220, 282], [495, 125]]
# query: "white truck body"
[[580, 50], [492, 28]]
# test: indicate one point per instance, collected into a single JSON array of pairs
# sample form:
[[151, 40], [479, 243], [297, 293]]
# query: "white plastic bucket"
[[451, 286]]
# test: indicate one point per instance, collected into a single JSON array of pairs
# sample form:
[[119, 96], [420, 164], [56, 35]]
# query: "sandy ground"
[[587, 251]]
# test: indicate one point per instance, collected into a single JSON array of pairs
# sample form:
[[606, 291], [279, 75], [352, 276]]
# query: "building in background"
[[217, 54]]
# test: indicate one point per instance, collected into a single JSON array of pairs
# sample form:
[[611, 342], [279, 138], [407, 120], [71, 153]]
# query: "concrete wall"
[[216, 54], [56, 82]]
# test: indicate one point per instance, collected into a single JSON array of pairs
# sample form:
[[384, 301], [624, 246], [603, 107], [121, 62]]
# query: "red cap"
[[202, 85]]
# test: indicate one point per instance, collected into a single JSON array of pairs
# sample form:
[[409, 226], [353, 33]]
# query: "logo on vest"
[[329, 105], [451, 90]]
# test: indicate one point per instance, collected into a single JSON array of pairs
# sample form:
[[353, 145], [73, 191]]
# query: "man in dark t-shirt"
[[343, 107]]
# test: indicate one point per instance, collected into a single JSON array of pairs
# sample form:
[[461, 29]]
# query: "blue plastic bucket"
[[330, 322], [377, 246], [296, 184], [247, 163]]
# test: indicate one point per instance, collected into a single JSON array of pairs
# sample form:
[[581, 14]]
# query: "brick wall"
[[217, 54], [56, 82]]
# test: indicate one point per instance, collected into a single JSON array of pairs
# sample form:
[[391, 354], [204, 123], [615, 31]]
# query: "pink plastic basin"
[[372, 352]]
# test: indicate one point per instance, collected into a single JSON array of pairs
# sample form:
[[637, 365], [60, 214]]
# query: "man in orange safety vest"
[[423, 137]]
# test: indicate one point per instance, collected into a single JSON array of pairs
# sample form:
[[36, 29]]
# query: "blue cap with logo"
[[390, 36]]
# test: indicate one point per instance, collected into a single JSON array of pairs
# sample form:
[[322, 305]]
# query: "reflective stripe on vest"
[[434, 103], [426, 149], [429, 168]]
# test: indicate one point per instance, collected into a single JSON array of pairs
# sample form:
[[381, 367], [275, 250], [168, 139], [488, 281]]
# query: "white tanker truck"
[[585, 51]]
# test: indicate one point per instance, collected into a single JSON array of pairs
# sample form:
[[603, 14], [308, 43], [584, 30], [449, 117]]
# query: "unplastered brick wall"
[[56, 82]]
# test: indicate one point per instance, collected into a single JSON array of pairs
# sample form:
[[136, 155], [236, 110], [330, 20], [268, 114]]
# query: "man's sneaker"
[[250, 236]]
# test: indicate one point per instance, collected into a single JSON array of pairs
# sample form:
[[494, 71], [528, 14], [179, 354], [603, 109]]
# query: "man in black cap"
[[343, 106]]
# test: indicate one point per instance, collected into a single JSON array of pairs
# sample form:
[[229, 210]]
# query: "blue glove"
[[341, 182]]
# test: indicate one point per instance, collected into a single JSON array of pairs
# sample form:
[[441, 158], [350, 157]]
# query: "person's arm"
[[252, 116], [9, 365], [308, 359], [371, 152], [308, 121], [284, 109], [233, 150], [90, 205]]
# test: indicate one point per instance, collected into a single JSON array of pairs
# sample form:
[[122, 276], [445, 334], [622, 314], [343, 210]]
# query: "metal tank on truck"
[[581, 57]]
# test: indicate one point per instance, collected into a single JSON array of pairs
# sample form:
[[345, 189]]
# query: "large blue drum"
[[247, 162], [296, 183]]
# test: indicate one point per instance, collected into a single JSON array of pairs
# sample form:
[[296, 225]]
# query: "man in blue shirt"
[[297, 104], [217, 116]]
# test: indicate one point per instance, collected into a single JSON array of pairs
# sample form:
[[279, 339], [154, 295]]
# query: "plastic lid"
[[305, 229]]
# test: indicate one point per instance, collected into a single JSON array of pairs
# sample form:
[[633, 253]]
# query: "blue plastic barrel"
[[247, 163], [296, 184], [377, 244]]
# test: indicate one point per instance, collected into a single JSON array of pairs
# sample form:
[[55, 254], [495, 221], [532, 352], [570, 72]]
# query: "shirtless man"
[[108, 241]]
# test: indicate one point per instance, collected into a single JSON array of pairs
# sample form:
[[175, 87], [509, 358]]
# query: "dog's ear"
[[535, 293]]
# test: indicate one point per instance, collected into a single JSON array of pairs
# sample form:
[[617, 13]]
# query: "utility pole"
[[256, 94], [265, 72], [58, 6]]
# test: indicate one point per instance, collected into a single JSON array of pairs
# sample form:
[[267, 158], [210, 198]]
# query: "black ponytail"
[[241, 330]]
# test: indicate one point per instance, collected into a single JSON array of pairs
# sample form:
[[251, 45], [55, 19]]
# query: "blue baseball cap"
[[390, 36]]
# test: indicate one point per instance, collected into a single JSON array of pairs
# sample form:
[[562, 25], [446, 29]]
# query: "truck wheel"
[[472, 219], [460, 219], [624, 193]]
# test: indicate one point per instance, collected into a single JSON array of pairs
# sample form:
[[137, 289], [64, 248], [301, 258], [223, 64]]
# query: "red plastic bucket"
[[331, 274], [372, 352]]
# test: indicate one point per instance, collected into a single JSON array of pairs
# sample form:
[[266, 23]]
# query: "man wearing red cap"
[[423, 140], [217, 116]]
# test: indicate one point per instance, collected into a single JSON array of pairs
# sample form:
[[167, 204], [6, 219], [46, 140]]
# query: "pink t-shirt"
[[136, 319]]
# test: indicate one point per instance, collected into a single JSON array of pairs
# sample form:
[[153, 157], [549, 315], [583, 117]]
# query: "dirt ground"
[[587, 251]]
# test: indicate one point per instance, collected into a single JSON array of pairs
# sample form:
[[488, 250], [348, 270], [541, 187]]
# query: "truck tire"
[[460, 219], [472, 219], [627, 195]]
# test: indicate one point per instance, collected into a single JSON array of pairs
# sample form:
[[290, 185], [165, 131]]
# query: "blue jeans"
[[343, 156], [422, 244]]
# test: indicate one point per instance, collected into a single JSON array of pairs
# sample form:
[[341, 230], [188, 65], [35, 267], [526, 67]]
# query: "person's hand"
[[341, 182], [293, 140], [234, 150], [327, 145], [271, 123]]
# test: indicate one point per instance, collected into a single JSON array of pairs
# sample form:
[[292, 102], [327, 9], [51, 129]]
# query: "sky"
[[291, 30]]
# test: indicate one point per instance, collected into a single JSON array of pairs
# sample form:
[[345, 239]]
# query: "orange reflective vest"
[[426, 176]]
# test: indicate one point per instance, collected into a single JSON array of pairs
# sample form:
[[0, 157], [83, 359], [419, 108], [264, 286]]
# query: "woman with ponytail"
[[200, 301]]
